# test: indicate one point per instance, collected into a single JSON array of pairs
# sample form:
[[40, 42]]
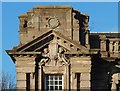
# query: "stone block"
[[84, 84], [21, 84], [21, 76], [85, 76]]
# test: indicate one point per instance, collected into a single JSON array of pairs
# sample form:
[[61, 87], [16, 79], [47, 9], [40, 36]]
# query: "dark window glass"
[[51, 87], [60, 82], [60, 87], [56, 87], [56, 82]]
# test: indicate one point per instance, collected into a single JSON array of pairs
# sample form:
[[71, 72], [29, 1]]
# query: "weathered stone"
[[56, 41]]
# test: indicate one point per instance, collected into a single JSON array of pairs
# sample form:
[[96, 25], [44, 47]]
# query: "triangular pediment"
[[43, 40]]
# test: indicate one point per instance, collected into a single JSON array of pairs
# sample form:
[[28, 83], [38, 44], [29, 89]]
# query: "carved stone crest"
[[53, 23]]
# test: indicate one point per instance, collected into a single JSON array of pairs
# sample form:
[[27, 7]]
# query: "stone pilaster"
[[40, 78]]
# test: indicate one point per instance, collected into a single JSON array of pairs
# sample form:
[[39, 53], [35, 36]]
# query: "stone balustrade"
[[114, 46]]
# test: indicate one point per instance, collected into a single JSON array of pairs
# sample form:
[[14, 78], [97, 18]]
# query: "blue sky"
[[103, 18]]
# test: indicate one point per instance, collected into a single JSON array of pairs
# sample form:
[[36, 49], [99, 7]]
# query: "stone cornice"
[[12, 52]]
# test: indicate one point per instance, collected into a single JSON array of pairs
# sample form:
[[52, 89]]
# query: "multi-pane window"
[[53, 82]]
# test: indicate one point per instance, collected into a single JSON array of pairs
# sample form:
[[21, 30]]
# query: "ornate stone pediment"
[[53, 40], [46, 38]]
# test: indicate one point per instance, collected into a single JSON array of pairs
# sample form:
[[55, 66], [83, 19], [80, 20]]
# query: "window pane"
[[60, 77], [60, 82], [51, 87], [60, 87], [56, 77], [51, 82], [51, 77], [56, 87], [56, 82]]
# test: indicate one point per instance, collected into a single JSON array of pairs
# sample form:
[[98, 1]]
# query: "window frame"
[[53, 80]]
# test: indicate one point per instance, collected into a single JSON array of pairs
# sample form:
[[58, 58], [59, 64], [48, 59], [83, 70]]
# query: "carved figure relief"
[[59, 58], [45, 56]]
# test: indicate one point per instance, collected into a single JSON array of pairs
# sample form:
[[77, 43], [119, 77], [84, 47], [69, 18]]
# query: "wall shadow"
[[101, 73]]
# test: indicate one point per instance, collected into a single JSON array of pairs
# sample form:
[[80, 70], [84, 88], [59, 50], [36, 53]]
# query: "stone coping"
[[51, 7]]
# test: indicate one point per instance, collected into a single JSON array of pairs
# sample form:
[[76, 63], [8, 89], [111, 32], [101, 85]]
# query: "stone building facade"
[[57, 51]]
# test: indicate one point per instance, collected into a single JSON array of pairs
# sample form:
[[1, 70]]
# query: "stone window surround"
[[58, 70]]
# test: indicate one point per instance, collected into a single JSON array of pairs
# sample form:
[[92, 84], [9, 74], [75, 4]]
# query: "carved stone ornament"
[[53, 23], [30, 23]]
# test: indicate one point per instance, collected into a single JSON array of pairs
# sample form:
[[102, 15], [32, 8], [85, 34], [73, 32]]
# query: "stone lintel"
[[56, 70]]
